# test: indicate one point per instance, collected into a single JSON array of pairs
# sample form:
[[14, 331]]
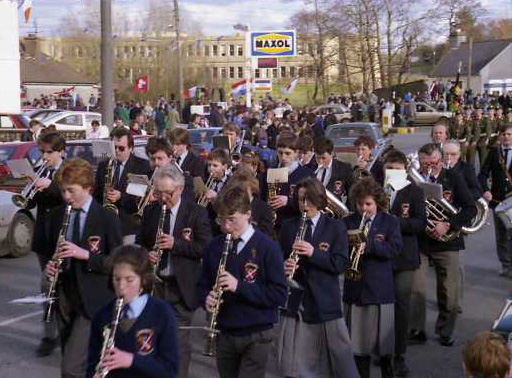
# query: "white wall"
[[9, 59]]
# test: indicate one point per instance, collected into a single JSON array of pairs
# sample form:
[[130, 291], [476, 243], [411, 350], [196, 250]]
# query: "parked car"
[[343, 135], [41, 114], [17, 224], [14, 121], [341, 112], [72, 121], [429, 116]]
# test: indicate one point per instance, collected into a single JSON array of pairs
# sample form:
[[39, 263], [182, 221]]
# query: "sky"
[[216, 17]]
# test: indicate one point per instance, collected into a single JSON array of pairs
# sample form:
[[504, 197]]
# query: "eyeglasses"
[[120, 148]]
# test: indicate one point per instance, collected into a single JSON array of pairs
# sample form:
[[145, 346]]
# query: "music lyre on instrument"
[[51, 294], [275, 178], [357, 239]]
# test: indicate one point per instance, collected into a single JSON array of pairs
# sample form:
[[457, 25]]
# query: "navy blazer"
[[291, 209], [409, 207], [376, 264], [319, 274]]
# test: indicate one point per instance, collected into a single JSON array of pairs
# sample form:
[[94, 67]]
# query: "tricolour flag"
[[238, 88], [190, 93], [291, 85], [26, 6], [142, 84]]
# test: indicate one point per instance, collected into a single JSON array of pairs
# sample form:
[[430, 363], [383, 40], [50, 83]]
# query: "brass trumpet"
[[357, 239], [30, 190]]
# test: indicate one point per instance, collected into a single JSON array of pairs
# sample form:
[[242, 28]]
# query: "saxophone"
[[109, 338], [51, 293], [159, 232], [106, 203], [209, 350]]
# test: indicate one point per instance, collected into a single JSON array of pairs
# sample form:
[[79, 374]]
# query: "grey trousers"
[[74, 332], [447, 276], [169, 292], [402, 288], [243, 356], [503, 243]]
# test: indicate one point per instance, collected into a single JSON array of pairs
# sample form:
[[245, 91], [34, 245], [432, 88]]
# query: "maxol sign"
[[273, 43]]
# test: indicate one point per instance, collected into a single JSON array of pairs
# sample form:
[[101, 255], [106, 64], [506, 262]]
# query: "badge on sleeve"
[[250, 271], [323, 246], [447, 194], [405, 207], [379, 237], [94, 244], [186, 233], [145, 341], [337, 188]]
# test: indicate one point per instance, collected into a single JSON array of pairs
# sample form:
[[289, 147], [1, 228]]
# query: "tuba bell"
[[335, 208]]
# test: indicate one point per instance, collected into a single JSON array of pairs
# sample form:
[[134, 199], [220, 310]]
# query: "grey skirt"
[[315, 350], [371, 328]]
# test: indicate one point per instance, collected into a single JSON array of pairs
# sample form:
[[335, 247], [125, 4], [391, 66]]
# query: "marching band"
[[327, 268]]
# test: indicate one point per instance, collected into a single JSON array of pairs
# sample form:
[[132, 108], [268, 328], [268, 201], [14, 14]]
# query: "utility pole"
[[106, 63], [470, 59], [179, 59]]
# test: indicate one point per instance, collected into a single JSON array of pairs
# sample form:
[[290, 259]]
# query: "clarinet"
[[159, 251], [51, 295], [209, 350], [293, 254], [109, 337]]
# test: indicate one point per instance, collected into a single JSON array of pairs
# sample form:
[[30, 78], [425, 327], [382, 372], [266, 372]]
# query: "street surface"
[[485, 292]]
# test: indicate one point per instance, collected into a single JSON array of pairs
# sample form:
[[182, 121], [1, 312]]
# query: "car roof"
[[71, 112]]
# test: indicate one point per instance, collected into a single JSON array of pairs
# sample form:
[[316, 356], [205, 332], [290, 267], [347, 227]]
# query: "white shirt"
[[122, 167], [182, 158], [136, 306], [246, 236], [315, 220], [319, 173], [292, 167], [167, 272], [83, 214], [509, 155]]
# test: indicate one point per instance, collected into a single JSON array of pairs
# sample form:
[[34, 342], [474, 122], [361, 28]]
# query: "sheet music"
[[21, 168], [137, 184], [277, 175]]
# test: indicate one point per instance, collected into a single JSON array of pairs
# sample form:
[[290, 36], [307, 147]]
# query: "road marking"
[[17, 319]]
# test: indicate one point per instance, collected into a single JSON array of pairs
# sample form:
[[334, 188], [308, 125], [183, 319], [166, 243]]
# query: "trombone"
[[357, 239], [210, 185], [30, 190]]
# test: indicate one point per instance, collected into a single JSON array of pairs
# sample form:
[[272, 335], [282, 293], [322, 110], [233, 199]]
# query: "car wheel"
[[19, 237]]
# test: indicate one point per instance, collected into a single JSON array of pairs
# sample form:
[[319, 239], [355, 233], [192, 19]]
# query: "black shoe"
[[400, 367], [446, 341], [46, 347], [363, 365], [416, 338], [387, 367]]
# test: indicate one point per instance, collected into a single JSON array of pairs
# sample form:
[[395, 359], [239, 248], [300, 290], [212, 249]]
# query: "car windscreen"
[[345, 136], [82, 151], [5, 153]]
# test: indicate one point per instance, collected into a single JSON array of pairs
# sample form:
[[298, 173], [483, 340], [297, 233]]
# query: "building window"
[[133, 51], [142, 52], [206, 73], [231, 72], [240, 72], [300, 72], [206, 50], [79, 52], [126, 52], [275, 73], [283, 71], [222, 50], [215, 50], [240, 50], [215, 73], [223, 73], [117, 53], [256, 73], [292, 71], [310, 71], [231, 50], [190, 50]]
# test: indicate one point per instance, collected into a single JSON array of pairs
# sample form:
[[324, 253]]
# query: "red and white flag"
[[142, 84]]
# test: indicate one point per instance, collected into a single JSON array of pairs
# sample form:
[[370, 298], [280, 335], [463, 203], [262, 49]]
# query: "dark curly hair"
[[369, 187], [137, 257]]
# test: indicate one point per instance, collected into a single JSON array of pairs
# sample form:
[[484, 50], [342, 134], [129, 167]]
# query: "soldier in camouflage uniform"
[[493, 125], [471, 141], [458, 131]]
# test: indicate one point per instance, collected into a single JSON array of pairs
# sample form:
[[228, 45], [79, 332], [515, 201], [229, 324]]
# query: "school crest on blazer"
[[337, 188], [292, 189], [186, 233], [405, 208], [145, 341], [94, 244], [447, 194], [323, 246], [251, 268], [379, 237]]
